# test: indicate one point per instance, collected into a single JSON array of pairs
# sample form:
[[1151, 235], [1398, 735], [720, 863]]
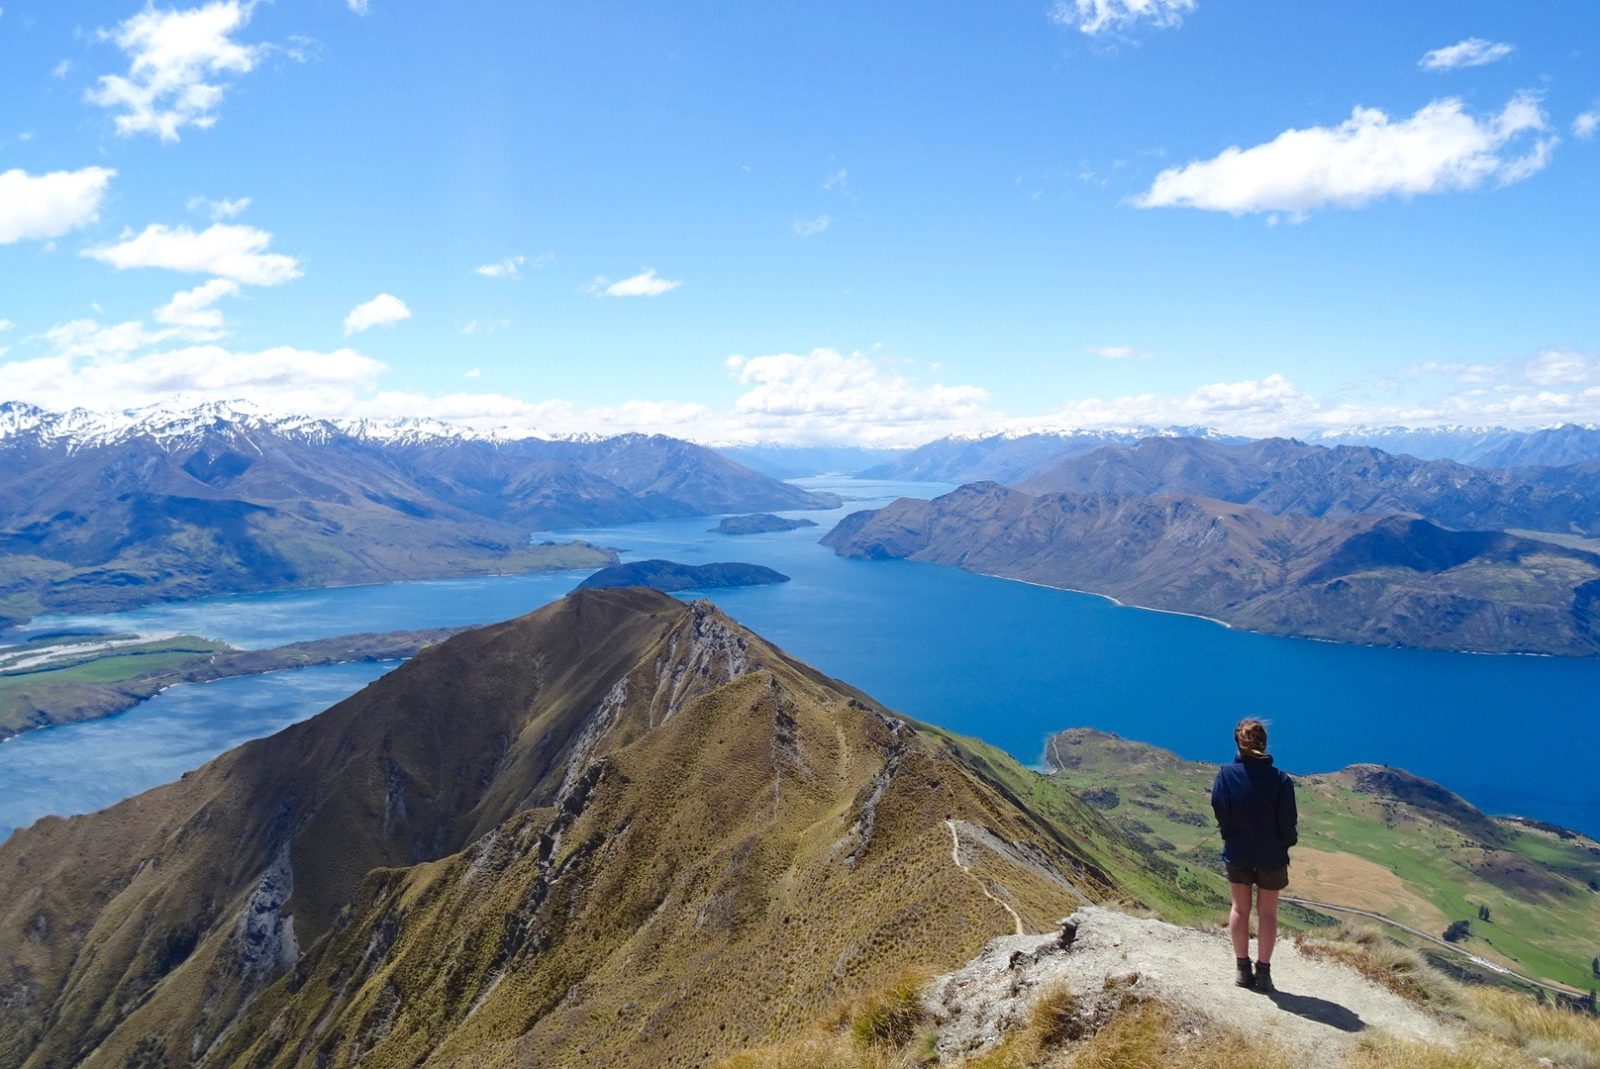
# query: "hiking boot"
[[1246, 977], [1263, 979]]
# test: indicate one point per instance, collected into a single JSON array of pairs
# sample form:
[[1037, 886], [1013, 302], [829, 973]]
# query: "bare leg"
[[1239, 917], [1266, 923]]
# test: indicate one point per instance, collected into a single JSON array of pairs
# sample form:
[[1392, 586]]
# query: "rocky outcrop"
[[1321, 1012]]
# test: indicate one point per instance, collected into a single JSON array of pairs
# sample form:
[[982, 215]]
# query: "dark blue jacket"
[[1254, 803]]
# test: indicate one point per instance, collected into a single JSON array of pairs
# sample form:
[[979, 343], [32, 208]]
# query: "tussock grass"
[[1383, 961], [890, 1017], [1569, 1039], [1402, 1054], [831, 1051], [1146, 1035]]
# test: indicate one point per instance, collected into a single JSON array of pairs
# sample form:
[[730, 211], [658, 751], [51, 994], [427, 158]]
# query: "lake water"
[[1005, 661]]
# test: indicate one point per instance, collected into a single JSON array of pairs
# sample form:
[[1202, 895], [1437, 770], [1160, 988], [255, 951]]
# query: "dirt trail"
[[1320, 1013], [955, 856]]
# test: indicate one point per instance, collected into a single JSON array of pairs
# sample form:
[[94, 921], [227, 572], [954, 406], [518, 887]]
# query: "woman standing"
[[1254, 803]]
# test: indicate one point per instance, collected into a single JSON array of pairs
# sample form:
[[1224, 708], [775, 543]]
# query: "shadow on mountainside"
[[1320, 1010]]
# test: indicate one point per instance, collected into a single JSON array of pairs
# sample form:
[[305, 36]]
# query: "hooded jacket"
[[1254, 804]]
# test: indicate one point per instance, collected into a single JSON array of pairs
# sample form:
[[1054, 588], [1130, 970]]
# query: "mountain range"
[[1282, 475], [1370, 578], [619, 831], [103, 512], [1007, 458]]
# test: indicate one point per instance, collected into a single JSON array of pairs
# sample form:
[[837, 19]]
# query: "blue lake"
[[1005, 661]]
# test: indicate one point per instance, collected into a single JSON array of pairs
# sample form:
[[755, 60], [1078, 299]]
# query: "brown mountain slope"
[[1386, 580], [619, 831]]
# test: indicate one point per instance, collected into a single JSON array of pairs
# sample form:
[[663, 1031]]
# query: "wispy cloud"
[[1097, 16], [511, 266], [1116, 352], [1367, 157], [645, 284], [1586, 124], [43, 206], [805, 228], [178, 60], [1473, 52], [360, 7], [219, 210], [224, 250], [485, 326], [384, 310]]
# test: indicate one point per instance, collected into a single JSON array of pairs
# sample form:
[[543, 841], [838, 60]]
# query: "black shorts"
[[1266, 879]]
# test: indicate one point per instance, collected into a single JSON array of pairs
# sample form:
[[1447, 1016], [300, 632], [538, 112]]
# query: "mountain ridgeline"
[[1280, 475], [621, 831], [1379, 579], [220, 499]]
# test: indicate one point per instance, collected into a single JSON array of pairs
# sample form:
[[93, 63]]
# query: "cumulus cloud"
[[644, 284], [384, 310], [1369, 156], [1248, 406], [1097, 16], [37, 207], [1586, 124], [1473, 52], [828, 395], [511, 266], [178, 59], [193, 309], [225, 250], [805, 228]]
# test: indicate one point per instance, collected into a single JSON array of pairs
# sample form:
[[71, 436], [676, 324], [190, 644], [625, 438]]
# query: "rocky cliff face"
[[620, 831], [1386, 580]]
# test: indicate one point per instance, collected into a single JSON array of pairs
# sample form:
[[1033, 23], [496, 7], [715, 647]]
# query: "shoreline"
[[1271, 634]]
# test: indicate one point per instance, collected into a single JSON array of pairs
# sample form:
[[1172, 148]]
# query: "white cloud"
[[805, 228], [39, 207], [192, 309], [473, 372], [511, 266], [1473, 52], [644, 284], [827, 395], [1115, 352], [1096, 16], [360, 7], [1250, 406], [62, 69], [1586, 124], [384, 310], [227, 251], [1368, 156], [177, 59], [5, 325], [1561, 367], [220, 211], [485, 326]]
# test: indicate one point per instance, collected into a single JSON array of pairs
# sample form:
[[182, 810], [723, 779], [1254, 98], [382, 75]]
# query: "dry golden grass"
[[892, 1016], [1146, 1035], [831, 1051], [1381, 960], [1399, 1054], [1569, 1039]]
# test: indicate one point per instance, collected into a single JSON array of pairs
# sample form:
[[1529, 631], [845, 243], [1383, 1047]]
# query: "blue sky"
[[806, 221]]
